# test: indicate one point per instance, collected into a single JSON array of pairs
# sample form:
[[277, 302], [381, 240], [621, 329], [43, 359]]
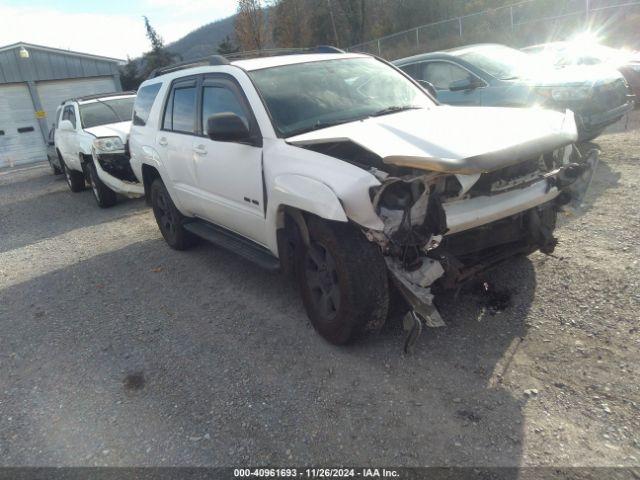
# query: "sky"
[[113, 28]]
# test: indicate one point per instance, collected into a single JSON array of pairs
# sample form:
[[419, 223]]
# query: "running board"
[[235, 243]]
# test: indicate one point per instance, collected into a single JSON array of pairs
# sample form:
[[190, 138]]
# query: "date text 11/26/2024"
[[315, 473]]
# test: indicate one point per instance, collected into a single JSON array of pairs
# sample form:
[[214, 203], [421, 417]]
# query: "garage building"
[[34, 80]]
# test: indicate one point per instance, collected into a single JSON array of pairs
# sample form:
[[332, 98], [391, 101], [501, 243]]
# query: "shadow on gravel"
[[27, 221], [150, 356], [605, 178]]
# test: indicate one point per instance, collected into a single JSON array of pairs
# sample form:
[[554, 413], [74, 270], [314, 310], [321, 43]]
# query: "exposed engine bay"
[[442, 229]]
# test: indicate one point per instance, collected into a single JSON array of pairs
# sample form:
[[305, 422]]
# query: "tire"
[[105, 197], [170, 220], [75, 180], [343, 281], [54, 169]]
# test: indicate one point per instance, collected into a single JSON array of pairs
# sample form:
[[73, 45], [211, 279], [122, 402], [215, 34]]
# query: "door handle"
[[162, 141], [200, 150]]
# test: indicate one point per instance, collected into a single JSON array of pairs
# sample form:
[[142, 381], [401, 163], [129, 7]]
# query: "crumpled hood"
[[120, 129], [463, 140]]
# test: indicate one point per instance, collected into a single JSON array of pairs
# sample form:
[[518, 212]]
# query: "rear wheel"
[[343, 281], [105, 197], [169, 219], [75, 179]]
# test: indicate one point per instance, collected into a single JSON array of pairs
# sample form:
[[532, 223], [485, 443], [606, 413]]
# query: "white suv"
[[344, 170], [90, 141]]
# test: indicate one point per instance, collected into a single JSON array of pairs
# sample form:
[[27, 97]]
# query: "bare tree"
[[250, 25], [289, 20], [333, 24], [354, 12]]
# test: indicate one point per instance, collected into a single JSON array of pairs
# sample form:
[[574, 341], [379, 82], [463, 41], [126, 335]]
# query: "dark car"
[[496, 75], [562, 54], [52, 153]]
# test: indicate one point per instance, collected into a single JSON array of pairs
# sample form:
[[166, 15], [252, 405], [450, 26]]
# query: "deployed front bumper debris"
[[420, 250]]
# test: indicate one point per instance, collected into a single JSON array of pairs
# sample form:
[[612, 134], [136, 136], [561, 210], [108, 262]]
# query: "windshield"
[[500, 62], [313, 95], [103, 112]]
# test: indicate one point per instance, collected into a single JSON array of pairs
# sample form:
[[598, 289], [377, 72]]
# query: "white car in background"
[[90, 140]]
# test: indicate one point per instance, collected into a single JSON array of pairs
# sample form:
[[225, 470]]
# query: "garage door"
[[53, 93], [20, 136]]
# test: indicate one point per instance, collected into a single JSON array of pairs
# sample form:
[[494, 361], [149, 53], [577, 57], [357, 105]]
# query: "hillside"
[[205, 40]]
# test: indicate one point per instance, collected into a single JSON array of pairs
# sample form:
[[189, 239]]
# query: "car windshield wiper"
[[394, 109]]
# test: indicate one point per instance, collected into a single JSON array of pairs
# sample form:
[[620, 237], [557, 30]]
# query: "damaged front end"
[[444, 229], [450, 205], [113, 164]]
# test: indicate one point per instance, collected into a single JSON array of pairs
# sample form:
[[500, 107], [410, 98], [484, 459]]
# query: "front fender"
[[85, 145], [305, 194], [302, 193]]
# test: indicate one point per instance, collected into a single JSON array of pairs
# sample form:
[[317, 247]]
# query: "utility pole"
[[333, 24]]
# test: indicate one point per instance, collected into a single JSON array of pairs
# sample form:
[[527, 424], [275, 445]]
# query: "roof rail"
[[224, 60], [98, 95], [210, 60], [272, 52]]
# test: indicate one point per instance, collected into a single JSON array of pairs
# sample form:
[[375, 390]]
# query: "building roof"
[[60, 51]]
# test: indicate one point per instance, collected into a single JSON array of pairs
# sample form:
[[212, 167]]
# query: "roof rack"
[[98, 95], [224, 60], [272, 52], [210, 60]]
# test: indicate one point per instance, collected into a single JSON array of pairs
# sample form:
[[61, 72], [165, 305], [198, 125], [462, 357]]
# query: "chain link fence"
[[518, 25]]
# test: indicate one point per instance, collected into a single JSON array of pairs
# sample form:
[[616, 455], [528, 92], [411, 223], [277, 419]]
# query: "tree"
[[290, 23], [226, 46], [250, 25], [355, 13], [158, 56], [129, 78]]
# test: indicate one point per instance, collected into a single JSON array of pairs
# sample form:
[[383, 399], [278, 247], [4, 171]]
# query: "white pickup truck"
[[342, 169], [90, 140]]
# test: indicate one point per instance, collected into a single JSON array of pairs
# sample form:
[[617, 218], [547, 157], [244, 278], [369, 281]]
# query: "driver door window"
[[69, 114], [442, 74], [219, 99]]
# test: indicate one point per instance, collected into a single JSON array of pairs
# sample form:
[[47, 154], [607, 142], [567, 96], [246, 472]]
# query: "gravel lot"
[[116, 350]]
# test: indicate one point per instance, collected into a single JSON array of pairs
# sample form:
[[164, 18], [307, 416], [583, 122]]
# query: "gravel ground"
[[116, 350]]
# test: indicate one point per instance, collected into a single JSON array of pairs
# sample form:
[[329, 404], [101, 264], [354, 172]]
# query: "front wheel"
[[169, 219], [343, 281], [54, 168], [105, 197], [75, 179]]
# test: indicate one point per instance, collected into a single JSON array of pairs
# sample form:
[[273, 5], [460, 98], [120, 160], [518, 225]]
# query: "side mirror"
[[227, 127], [428, 86], [66, 125], [468, 83]]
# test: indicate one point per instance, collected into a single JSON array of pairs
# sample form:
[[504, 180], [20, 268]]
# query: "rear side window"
[[144, 102], [180, 113]]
